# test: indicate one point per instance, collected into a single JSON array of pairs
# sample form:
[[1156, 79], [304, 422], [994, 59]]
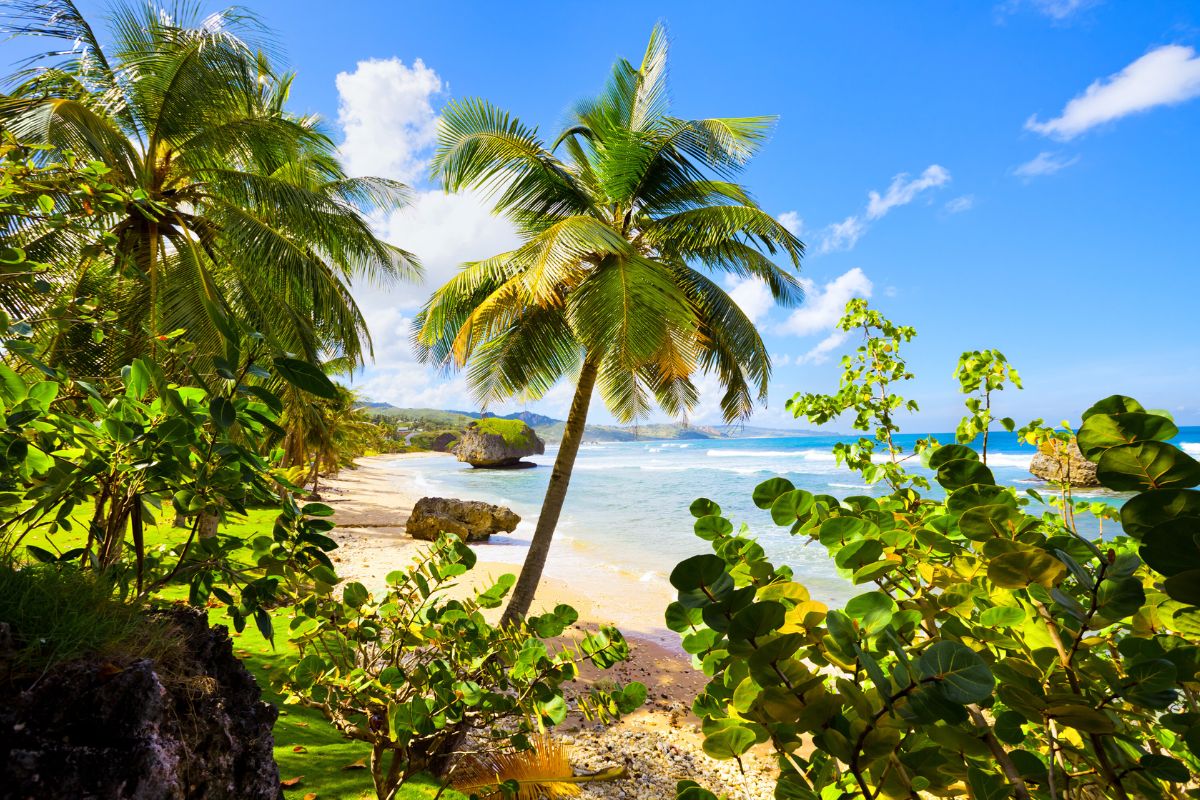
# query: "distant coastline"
[[551, 429]]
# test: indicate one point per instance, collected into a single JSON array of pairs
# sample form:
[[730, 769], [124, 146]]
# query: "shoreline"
[[373, 502], [660, 743]]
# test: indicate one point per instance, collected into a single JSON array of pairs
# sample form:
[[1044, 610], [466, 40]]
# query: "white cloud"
[[1057, 10], [1044, 163], [823, 306], [752, 295], [843, 235], [823, 349], [385, 110], [792, 221], [1166, 76], [902, 191], [960, 204]]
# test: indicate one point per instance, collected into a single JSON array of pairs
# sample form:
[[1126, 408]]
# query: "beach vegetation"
[[515, 433], [624, 219], [992, 650], [424, 679]]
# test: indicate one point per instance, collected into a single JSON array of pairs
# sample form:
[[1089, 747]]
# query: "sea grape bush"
[[426, 680], [979, 373], [993, 653]]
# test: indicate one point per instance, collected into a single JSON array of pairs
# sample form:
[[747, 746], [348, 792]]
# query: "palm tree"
[[611, 284], [237, 203]]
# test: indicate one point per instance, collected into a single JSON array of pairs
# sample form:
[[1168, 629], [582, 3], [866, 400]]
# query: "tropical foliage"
[[998, 652], [612, 285], [429, 683], [227, 199]]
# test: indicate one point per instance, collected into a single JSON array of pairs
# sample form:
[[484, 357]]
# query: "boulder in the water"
[[470, 520], [498, 443], [1059, 463]]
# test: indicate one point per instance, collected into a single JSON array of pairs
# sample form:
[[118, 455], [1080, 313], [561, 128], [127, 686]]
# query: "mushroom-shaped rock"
[[1061, 463], [470, 520], [498, 444]]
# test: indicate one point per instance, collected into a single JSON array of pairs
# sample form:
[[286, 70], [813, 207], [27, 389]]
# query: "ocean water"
[[627, 508]]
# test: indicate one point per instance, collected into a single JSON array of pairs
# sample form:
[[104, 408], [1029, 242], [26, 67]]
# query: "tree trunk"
[[206, 528], [556, 493]]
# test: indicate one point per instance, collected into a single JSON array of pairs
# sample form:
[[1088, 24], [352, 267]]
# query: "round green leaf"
[[987, 522], [729, 742], [858, 554], [1021, 567], [1002, 616], [696, 572], [355, 594], [765, 493], [1150, 509], [790, 506], [757, 619], [951, 452], [1147, 465], [1102, 431], [1113, 404], [873, 610], [981, 494], [703, 507], [1184, 587], [713, 527], [962, 674], [1172, 547], [963, 472], [1118, 598]]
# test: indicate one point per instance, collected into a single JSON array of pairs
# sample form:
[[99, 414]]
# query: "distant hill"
[[551, 430]]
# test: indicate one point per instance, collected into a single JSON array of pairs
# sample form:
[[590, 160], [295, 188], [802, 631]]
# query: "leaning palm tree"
[[235, 202], [612, 282]]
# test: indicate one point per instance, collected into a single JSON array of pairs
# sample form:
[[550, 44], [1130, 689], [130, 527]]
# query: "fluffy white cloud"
[[823, 349], [902, 191], [1168, 75], [960, 204], [792, 221], [823, 305], [752, 295], [386, 111], [1044, 163]]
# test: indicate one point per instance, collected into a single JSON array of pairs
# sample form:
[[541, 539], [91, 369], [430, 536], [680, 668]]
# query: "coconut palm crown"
[[235, 201], [625, 221]]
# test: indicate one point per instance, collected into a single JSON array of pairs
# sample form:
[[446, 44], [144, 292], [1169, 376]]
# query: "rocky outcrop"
[[193, 729], [443, 442], [498, 444], [470, 520], [1051, 463]]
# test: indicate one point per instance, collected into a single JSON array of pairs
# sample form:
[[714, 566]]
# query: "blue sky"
[[1033, 164]]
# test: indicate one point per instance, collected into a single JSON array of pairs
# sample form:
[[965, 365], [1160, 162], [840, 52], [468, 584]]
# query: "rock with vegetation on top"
[[470, 520], [1054, 464], [493, 443], [189, 727]]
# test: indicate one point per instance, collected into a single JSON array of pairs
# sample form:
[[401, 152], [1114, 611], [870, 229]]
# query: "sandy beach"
[[660, 743]]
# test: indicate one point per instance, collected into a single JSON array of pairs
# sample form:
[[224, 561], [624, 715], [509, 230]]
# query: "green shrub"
[[995, 651], [424, 678]]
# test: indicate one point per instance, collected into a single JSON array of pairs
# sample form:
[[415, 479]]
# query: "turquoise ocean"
[[627, 508]]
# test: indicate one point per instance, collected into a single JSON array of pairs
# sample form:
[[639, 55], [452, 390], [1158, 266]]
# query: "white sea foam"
[[1192, 448], [806, 454], [1017, 460]]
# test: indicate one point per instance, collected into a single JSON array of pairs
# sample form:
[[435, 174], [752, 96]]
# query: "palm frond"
[[541, 773]]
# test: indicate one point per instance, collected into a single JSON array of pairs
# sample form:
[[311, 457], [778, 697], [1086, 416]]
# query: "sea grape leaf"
[[766, 492], [1147, 465], [1103, 431], [964, 677], [963, 472]]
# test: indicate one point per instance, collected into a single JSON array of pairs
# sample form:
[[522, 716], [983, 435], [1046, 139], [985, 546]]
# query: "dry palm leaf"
[[541, 773]]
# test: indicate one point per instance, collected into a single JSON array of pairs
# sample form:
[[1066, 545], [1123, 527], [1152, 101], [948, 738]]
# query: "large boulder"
[[1058, 465], [192, 729], [498, 444], [470, 520]]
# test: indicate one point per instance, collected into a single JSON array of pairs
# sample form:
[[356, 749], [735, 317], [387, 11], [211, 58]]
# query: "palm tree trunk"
[[556, 493]]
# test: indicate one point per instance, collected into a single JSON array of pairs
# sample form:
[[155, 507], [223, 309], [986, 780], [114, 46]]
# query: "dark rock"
[[470, 520], [97, 730], [1052, 463], [498, 443], [443, 443]]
